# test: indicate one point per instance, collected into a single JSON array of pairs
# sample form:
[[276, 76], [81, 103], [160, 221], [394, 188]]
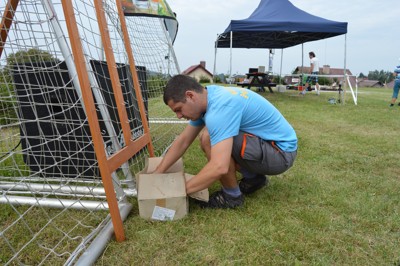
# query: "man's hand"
[[178, 148]]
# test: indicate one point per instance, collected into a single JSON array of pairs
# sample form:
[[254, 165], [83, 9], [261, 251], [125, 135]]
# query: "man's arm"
[[178, 148], [214, 169]]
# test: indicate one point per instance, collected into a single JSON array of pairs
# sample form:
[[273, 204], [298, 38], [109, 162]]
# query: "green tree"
[[6, 85], [24, 56], [31, 55], [382, 76]]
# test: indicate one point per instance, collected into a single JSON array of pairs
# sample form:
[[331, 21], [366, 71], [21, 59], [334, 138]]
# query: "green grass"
[[338, 205]]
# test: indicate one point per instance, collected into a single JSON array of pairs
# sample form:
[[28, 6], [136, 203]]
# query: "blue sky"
[[373, 39]]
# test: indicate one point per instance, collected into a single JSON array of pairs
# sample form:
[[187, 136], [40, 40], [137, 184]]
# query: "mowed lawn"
[[338, 205]]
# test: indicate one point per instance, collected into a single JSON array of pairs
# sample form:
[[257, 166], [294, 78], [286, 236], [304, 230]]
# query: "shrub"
[[204, 79], [217, 79], [324, 81], [6, 104]]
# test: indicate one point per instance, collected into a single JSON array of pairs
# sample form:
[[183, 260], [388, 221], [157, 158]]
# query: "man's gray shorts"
[[259, 156]]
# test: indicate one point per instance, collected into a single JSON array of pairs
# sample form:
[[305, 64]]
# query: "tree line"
[[382, 76]]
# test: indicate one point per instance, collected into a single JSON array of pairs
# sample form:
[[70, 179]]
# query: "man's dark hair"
[[312, 54], [178, 85]]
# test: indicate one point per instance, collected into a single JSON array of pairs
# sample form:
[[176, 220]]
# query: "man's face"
[[189, 110]]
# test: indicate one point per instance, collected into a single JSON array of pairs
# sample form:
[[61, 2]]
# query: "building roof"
[[369, 83], [195, 67]]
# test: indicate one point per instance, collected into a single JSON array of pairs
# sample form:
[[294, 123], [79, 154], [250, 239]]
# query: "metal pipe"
[[170, 46], [54, 203], [59, 188], [344, 69], [98, 245], [280, 70], [230, 63], [215, 58]]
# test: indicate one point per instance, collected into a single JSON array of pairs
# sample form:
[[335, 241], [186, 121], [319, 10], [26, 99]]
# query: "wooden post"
[[136, 84], [94, 126], [6, 21]]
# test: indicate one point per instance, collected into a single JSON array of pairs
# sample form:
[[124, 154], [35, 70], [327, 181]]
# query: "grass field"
[[338, 205]]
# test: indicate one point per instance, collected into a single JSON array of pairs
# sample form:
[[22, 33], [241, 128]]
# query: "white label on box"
[[162, 214]]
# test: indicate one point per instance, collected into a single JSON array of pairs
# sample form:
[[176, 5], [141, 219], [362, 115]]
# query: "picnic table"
[[259, 80]]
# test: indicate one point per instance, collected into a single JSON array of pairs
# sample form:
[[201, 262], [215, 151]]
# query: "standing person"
[[396, 85], [314, 71], [239, 130]]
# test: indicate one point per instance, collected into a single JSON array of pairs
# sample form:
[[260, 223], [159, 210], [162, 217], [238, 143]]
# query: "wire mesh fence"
[[52, 202]]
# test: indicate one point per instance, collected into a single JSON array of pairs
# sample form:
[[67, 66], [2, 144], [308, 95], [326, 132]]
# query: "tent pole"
[[345, 52], [302, 64], [302, 57], [344, 69], [280, 71], [215, 59], [270, 60], [230, 65]]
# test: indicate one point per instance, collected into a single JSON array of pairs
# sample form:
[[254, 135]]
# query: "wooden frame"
[[108, 165]]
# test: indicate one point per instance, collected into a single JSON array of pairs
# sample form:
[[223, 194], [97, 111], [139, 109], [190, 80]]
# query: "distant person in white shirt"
[[314, 70]]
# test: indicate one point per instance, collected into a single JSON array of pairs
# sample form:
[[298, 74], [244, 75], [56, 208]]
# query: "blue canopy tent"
[[277, 24]]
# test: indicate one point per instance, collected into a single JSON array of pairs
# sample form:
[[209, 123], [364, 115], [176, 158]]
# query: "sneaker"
[[251, 185], [221, 200]]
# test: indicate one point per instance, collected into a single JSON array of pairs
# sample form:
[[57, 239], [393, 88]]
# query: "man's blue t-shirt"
[[231, 109]]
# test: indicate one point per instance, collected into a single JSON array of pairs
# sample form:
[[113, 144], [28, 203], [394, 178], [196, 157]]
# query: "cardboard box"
[[153, 162], [202, 195], [163, 197]]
